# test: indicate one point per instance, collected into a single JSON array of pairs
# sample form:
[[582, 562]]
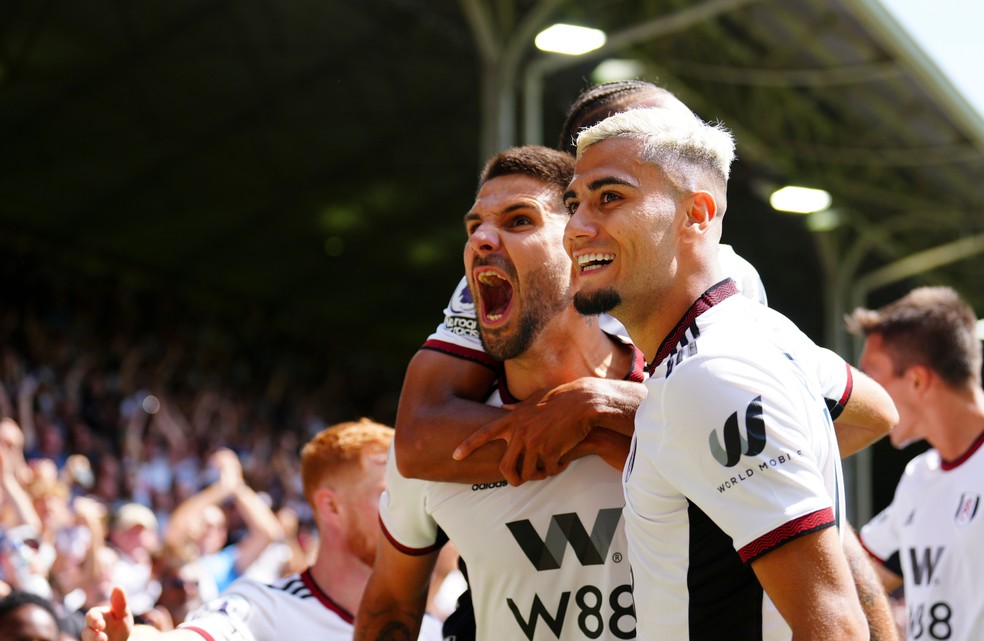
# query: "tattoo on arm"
[[394, 631]]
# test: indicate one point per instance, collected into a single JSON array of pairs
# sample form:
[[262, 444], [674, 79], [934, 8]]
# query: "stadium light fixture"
[[569, 39], [800, 200], [614, 69]]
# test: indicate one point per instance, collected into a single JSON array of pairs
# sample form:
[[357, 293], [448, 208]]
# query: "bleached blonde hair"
[[670, 138]]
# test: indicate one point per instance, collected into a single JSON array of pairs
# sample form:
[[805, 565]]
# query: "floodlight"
[[569, 39], [614, 69], [800, 200]]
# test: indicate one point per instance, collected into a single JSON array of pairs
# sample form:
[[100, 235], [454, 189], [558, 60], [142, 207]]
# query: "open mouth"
[[495, 294], [593, 262]]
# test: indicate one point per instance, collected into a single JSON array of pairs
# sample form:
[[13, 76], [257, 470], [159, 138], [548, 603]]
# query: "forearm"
[[424, 443], [387, 622], [874, 600], [257, 515], [14, 494]]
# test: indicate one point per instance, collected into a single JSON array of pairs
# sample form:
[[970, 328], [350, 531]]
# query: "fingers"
[[511, 463], [117, 601], [484, 435], [95, 620]]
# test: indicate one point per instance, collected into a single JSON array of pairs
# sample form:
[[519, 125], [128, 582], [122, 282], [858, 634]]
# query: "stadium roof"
[[312, 159]]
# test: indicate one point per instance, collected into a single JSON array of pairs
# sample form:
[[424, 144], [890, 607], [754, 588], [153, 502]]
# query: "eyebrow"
[[598, 184], [508, 210]]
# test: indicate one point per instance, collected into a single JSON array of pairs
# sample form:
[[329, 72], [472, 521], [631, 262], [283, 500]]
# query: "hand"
[[89, 511], [230, 470], [11, 435], [109, 623], [539, 431]]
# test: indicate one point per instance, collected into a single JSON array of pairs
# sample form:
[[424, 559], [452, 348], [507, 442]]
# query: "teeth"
[[494, 317], [489, 278], [583, 259]]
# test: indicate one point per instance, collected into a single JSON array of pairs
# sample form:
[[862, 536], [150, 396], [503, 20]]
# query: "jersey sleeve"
[[458, 334], [836, 381], [881, 535], [744, 444], [403, 513], [243, 613]]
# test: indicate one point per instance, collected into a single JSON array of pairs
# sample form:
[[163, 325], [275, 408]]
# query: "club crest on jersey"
[[462, 301], [967, 510], [736, 445]]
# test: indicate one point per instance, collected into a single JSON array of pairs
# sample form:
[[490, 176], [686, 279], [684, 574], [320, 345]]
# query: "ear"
[[703, 208], [920, 378], [326, 502]]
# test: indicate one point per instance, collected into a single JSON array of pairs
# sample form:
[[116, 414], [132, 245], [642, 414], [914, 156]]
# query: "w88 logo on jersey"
[[593, 613]]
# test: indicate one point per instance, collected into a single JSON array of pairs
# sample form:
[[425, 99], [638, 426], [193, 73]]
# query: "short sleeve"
[[742, 443], [403, 513]]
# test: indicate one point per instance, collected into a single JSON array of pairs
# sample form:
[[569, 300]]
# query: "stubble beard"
[[597, 302], [539, 307]]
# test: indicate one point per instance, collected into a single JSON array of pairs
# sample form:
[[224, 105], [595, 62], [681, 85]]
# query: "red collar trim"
[[713, 296], [976, 445], [324, 598]]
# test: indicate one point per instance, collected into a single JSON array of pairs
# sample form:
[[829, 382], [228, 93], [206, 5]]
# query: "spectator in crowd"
[[25, 616], [201, 521]]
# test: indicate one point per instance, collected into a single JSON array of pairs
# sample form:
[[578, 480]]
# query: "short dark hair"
[[931, 326], [545, 164], [597, 102], [19, 598]]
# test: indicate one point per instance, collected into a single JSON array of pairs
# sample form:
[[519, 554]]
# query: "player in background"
[[924, 349], [342, 470]]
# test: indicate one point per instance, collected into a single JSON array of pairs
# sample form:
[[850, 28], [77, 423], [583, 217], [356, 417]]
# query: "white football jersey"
[[291, 609], [734, 454], [546, 560], [932, 534]]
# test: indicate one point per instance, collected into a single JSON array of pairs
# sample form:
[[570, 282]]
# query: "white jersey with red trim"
[[458, 334], [734, 454], [932, 534], [545, 560], [292, 608]]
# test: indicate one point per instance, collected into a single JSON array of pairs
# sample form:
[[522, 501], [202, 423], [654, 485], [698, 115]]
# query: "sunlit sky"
[[949, 31]]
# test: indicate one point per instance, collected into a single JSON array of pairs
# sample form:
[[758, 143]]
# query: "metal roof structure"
[[306, 164]]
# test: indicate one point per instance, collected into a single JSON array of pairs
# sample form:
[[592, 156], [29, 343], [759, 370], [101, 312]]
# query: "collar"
[[716, 294]]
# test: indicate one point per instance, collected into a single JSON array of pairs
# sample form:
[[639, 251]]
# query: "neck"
[[570, 346], [957, 422], [341, 576], [654, 316]]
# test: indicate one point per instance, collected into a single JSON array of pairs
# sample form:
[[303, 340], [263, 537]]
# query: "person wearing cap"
[[133, 534]]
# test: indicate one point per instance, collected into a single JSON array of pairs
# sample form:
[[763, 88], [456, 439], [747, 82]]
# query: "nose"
[[484, 239], [579, 227]]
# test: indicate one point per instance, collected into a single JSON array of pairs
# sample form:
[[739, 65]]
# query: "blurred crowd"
[[162, 462]]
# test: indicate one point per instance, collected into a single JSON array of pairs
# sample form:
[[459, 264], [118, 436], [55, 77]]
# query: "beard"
[[598, 302], [540, 305]]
